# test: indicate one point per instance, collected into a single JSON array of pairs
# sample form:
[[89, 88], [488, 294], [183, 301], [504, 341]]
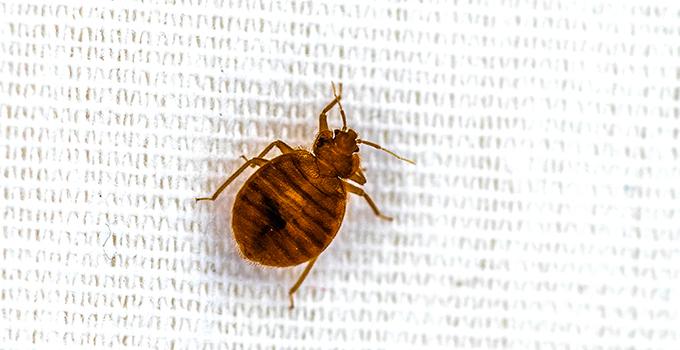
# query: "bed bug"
[[290, 209]]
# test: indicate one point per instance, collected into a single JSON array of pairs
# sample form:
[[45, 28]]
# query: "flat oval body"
[[285, 213]]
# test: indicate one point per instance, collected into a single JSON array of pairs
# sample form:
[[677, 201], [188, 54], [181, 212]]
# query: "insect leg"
[[360, 191], [253, 162], [323, 118], [358, 177], [300, 280], [282, 146], [256, 161]]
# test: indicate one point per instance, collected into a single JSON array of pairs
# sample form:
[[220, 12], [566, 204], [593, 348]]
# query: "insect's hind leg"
[[360, 191], [249, 162], [299, 281]]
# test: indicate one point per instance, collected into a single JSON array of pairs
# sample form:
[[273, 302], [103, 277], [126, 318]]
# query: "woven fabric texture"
[[543, 212]]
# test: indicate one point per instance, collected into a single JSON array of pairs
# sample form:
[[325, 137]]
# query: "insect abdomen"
[[283, 216]]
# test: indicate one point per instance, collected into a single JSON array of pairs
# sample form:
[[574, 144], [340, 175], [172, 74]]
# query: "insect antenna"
[[342, 111], [376, 146]]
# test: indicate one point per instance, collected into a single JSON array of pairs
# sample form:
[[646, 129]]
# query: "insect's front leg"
[[360, 191], [249, 162], [282, 146], [358, 177]]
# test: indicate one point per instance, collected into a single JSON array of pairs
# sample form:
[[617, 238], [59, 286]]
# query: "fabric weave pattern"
[[543, 212]]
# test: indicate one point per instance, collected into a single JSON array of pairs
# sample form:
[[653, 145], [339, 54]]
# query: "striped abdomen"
[[285, 214]]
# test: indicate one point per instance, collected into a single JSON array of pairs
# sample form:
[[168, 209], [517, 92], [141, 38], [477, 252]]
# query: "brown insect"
[[290, 209]]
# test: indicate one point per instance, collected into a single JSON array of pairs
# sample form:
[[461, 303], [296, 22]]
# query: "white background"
[[543, 213]]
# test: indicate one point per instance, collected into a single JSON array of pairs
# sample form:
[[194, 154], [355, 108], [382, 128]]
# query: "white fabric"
[[543, 212]]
